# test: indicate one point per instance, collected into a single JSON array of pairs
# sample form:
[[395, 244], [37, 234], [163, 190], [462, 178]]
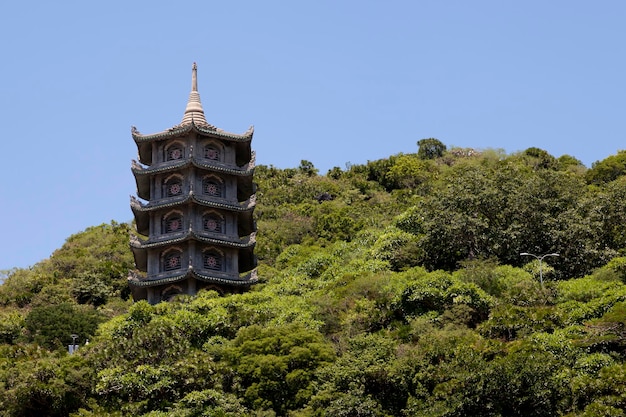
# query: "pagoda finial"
[[194, 77], [194, 113]]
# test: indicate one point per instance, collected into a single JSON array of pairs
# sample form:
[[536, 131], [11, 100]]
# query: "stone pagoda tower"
[[195, 181]]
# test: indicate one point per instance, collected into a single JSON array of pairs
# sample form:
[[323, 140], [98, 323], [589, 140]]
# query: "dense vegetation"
[[393, 288]]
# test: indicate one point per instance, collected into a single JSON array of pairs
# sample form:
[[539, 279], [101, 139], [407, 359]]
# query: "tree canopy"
[[390, 288]]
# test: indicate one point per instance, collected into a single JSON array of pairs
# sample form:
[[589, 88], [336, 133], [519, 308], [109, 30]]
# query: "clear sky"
[[331, 82]]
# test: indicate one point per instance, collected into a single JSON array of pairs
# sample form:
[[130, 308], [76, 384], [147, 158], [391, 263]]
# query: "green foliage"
[[618, 266], [399, 248], [508, 322], [11, 324], [97, 261], [409, 172], [438, 292], [273, 368], [21, 285], [336, 225], [210, 402], [540, 159], [363, 380], [52, 326], [430, 148], [43, 386], [307, 168], [484, 273], [607, 170], [569, 163], [608, 332], [391, 288]]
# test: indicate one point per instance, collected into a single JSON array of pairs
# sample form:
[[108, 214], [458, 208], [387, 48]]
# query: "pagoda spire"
[[194, 111]]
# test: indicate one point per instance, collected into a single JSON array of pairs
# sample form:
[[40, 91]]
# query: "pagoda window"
[[172, 260], [213, 260], [212, 223], [174, 152], [213, 187], [213, 153], [172, 222], [170, 292], [173, 186]]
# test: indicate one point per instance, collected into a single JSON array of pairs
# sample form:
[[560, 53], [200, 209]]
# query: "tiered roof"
[[193, 120], [245, 281]]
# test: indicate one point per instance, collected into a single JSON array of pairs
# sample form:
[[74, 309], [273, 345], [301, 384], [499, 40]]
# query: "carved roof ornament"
[[194, 113]]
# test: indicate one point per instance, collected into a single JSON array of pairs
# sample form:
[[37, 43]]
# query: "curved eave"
[[245, 221], [142, 218], [246, 206], [246, 243], [246, 280], [141, 258], [192, 127], [245, 171], [142, 183], [138, 170]]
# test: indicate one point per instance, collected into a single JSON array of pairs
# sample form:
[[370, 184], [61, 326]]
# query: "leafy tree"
[[363, 380], [569, 163], [483, 272], [307, 168], [21, 285], [336, 225], [399, 248], [52, 326], [409, 172], [43, 385], [421, 293], [378, 171], [274, 368], [609, 331], [11, 324], [540, 159], [609, 214], [607, 170], [458, 221], [430, 148]]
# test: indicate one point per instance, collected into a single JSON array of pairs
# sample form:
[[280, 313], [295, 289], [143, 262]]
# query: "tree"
[[38, 384], [430, 148], [307, 168], [540, 159], [607, 170], [409, 172], [363, 381], [274, 367], [52, 325]]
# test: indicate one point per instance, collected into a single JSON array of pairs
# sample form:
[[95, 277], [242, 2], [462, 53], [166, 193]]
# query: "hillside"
[[393, 288]]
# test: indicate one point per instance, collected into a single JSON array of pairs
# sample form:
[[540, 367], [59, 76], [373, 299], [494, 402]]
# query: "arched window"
[[212, 152], [213, 260], [172, 222], [215, 288], [172, 260], [212, 223], [212, 187], [170, 292], [173, 187], [174, 152]]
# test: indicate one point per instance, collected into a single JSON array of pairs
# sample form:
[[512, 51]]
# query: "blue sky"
[[332, 82]]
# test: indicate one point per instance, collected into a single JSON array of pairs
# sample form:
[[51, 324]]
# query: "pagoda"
[[195, 209]]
